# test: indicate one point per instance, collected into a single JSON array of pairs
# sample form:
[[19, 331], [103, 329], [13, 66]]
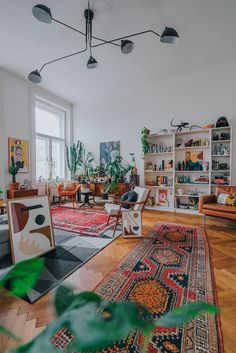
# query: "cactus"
[[13, 169], [73, 156]]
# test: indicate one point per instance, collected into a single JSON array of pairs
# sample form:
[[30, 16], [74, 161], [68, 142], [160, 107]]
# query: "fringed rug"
[[164, 271], [89, 222]]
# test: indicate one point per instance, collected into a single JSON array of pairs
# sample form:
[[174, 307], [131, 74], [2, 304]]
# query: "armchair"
[[115, 209], [68, 190]]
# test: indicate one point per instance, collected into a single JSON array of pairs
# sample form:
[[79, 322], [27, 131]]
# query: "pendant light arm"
[[128, 36], [63, 57], [84, 34]]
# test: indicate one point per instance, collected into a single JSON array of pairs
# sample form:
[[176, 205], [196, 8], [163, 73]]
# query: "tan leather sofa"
[[208, 204]]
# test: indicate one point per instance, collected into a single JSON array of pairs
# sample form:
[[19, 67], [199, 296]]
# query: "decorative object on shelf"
[[31, 232], [144, 141], [19, 150], [208, 126], [194, 160], [221, 179], [13, 170], [150, 182], [109, 151], [162, 199], [132, 224], [43, 14], [150, 201], [134, 180], [221, 149], [222, 122], [181, 126], [159, 148]]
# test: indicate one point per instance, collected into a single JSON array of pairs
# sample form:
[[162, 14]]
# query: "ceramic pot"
[[14, 186]]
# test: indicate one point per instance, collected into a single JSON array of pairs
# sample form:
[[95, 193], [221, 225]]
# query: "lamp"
[[43, 14], [169, 36], [35, 76], [92, 63], [127, 46]]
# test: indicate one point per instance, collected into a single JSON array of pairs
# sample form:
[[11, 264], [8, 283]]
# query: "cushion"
[[69, 186], [113, 209], [130, 196], [226, 199]]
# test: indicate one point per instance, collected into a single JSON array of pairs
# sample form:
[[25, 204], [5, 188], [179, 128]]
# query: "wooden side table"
[[14, 194]]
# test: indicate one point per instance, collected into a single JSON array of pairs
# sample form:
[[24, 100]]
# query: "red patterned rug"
[[81, 221], [163, 272]]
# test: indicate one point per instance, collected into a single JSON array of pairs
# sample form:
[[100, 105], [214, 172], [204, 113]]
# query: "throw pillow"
[[226, 199], [130, 196], [69, 186]]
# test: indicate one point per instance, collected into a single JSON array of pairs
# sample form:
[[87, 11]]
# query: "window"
[[50, 125]]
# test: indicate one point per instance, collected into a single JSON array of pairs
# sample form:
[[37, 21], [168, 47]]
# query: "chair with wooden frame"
[[68, 190], [115, 209]]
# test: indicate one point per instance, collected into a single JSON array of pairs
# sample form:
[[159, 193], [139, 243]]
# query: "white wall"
[[17, 118], [199, 98]]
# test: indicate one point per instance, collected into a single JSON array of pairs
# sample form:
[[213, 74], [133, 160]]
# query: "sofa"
[[208, 204]]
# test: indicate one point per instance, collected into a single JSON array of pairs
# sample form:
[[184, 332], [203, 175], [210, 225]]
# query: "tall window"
[[50, 141]]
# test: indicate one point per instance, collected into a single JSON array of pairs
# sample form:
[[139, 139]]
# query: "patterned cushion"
[[113, 209], [226, 199]]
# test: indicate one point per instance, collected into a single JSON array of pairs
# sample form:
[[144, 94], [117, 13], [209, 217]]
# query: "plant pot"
[[85, 188], [14, 186]]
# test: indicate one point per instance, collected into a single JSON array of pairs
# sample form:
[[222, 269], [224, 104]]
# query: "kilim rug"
[[84, 221], [164, 271]]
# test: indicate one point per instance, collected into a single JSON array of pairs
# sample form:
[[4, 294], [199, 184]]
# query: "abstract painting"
[[132, 224], [31, 232], [194, 160], [19, 150], [109, 151]]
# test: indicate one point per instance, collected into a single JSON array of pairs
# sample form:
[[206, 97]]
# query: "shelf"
[[191, 171], [186, 195], [220, 185], [160, 153], [159, 187], [192, 184], [191, 148], [221, 128], [193, 132], [160, 135], [221, 141], [220, 171], [158, 171], [221, 155]]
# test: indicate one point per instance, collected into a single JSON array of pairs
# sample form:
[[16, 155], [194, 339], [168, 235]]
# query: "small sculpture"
[[180, 126]]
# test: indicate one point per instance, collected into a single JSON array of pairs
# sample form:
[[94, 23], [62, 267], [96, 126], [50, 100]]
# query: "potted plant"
[[13, 170], [144, 141], [85, 185]]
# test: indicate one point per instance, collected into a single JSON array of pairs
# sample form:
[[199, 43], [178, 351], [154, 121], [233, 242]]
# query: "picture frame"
[[132, 224], [109, 151], [19, 150], [30, 227]]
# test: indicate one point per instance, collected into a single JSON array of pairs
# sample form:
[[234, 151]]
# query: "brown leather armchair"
[[68, 190], [208, 204]]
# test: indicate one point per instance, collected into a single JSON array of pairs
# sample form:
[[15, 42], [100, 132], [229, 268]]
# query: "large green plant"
[[118, 170], [94, 322], [13, 169], [86, 160], [73, 157], [144, 141]]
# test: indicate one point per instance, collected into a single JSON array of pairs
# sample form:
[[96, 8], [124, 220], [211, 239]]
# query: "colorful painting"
[[31, 232], [109, 151], [19, 150], [163, 197], [194, 160], [132, 224]]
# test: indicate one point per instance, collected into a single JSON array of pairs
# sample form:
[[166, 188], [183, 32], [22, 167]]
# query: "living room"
[[118, 119]]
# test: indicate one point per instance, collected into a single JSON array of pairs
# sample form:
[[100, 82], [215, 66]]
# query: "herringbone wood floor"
[[27, 320]]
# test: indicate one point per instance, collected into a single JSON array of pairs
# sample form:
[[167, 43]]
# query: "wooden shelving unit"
[[169, 149]]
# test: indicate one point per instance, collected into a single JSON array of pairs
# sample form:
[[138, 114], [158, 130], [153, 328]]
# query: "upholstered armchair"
[[115, 209], [68, 190]]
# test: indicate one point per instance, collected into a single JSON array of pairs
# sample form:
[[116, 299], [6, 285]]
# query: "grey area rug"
[[72, 251]]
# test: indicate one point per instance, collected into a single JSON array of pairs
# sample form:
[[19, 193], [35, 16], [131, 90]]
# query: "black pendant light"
[[127, 46], [35, 76], [169, 36], [92, 63], [43, 14]]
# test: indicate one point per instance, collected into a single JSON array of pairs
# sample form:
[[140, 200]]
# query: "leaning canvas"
[[31, 232], [132, 224]]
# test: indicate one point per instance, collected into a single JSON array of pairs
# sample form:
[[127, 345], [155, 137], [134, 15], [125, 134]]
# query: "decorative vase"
[[14, 186]]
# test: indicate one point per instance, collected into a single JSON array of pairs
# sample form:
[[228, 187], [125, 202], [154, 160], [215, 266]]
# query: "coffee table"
[[86, 202]]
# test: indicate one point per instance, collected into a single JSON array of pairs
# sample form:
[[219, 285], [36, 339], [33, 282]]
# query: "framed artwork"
[[19, 149], [194, 160], [132, 224], [162, 197], [30, 225], [109, 151]]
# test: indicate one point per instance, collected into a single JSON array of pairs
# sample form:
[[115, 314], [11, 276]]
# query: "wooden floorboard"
[[28, 320]]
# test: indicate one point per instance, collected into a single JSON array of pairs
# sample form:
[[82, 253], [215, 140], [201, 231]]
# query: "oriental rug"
[[165, 270], [89, 222]]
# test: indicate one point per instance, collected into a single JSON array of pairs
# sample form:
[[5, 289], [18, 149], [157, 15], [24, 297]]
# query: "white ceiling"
[[207, 29]]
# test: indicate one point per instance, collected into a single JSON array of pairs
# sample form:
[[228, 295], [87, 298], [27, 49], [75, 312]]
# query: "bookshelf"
[[182, 166]]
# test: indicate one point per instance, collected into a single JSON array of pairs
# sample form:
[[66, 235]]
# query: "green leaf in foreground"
[[5, 331], [185, 313], [22, 277]]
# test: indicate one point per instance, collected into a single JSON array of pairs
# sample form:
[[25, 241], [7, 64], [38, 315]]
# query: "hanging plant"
[[144, 141]]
